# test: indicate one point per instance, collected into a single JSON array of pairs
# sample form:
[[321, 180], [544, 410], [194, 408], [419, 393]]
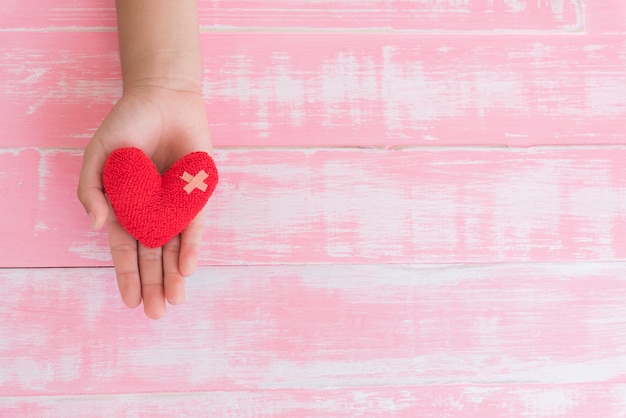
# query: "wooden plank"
[[606, 17], [297, 15], [462, 401], [351, 206], [64, 331], [337, 90]]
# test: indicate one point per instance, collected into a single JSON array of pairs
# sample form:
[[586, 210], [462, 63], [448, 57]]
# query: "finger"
[[90, 191], [151, 272], [173, 280], [124, 253], [190, 242]]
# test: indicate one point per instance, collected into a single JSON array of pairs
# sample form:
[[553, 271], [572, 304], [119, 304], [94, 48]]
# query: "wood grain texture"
[[338, 90], [501, 16], [452, 401], [361, 258], [351, 206], [399, 16], [605, 17], [65, 331]]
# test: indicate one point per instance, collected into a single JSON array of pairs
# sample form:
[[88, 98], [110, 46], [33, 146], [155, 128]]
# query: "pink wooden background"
[[422, 212]]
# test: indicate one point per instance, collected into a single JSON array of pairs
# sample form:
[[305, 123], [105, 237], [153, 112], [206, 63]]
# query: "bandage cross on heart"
[[155, 207]]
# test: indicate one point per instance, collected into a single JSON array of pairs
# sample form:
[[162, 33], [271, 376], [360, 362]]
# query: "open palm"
[[166, 125]]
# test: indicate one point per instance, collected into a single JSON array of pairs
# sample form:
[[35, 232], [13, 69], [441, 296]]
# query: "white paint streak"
[[40, 226], [43, 176], [524, 204], [605, 97], [34, 74], [422, 370], [550, 402], [68, 368], [91, 251], [413, 97]]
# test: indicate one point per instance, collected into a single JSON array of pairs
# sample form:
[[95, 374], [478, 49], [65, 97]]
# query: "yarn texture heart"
[[156, 207]]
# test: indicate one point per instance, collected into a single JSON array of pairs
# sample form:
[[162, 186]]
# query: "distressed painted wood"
[[338, 90], [431, 205], [606, 16], [313, 327], [296, 15], [311, 301], [414, 15], [460, 401], [316, 327]]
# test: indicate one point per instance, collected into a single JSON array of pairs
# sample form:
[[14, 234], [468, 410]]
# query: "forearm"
[[159, 43]]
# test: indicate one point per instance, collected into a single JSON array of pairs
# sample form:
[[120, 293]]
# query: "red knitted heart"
[[152, 207]]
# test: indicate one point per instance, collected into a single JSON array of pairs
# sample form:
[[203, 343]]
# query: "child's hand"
[[166, 124]]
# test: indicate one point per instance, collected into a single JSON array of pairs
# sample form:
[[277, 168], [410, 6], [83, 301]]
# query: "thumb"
[[90, 190], [95, 204]]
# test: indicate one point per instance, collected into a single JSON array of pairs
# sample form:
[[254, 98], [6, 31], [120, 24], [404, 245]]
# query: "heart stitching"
[[152, 207]]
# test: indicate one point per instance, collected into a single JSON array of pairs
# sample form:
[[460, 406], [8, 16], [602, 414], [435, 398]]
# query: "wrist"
[[171, 70]]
